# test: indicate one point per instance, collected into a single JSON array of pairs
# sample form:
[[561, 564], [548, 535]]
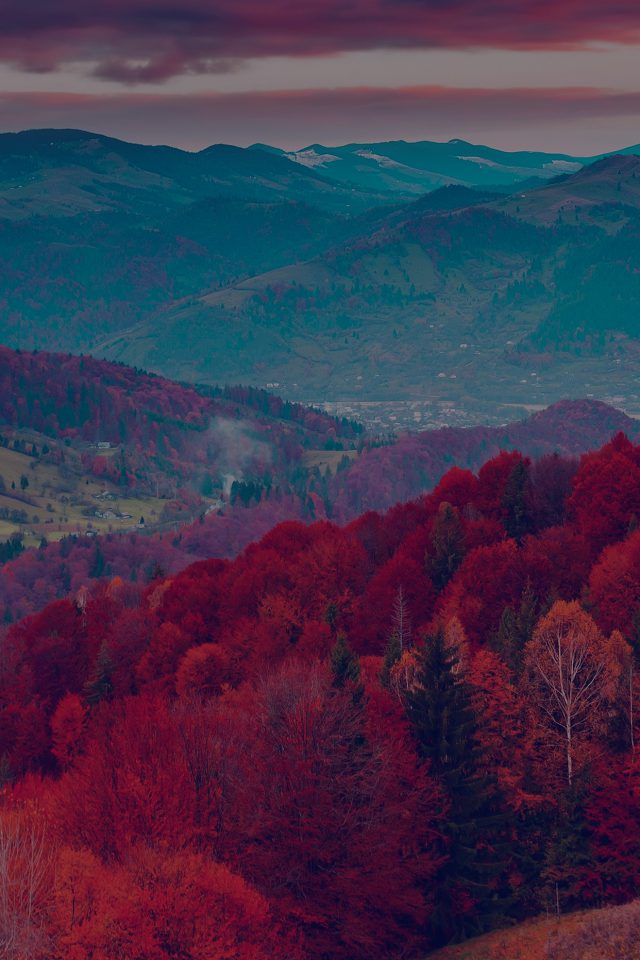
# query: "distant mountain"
[[69, 172], [399, 166], [233, 265], [96, 234], [469, 299]]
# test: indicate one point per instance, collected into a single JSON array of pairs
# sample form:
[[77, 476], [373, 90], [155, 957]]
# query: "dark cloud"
[[577, 120], [130, 40]]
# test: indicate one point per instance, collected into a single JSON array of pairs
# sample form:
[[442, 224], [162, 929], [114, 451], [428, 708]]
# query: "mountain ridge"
[[429, 299], [417, 166]]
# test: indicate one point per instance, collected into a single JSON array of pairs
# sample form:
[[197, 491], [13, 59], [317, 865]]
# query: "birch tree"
[[571, 676]]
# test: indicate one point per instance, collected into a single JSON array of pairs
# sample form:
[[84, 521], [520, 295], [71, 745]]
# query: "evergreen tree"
[[331, 615], [504, 640], [469, 894], [446, 550], [100, 687], [345, 668], [569, 858], [97, 567], [6, 773], [392, 654], [516, 629], [516, 501]]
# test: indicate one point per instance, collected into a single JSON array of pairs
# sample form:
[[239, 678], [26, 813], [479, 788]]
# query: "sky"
[[558, 75]]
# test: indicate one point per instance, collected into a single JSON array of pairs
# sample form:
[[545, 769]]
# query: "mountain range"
[[516, 283], [398, 166], [446, 298]]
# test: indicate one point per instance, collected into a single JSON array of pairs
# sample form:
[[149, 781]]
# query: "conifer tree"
[[469, 897], [100, 687], [516, 629], [345, 668], [392, 654], [516, 502], [569, 857], [97, 567], [446, 549]]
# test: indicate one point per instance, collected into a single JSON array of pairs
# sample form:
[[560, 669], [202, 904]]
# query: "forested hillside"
[[96, 234], [444, 298], [88, 450], [245, 266], [350, 741]]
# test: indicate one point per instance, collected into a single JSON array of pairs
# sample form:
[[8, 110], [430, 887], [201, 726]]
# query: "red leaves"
[[160, 905], [67, 729], [606, 493], [221, 799], [614, 586]]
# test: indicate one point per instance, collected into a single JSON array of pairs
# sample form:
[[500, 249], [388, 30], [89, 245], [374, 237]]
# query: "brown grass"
[[609, 934]]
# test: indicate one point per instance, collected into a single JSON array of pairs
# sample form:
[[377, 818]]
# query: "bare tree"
[[26, 882]]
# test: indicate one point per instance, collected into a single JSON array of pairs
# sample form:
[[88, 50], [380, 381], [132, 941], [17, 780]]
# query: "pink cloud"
[[131, 40]]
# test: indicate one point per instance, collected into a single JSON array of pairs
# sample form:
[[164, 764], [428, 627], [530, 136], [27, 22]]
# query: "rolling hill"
[[445, 299], [90, 447], [96, 233], [183, 448], [64, 173], [606, 934]]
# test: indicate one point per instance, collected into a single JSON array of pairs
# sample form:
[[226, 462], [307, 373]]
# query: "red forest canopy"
[[350, 741]]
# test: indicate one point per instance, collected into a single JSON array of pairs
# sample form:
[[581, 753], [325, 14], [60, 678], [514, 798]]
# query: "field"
[[59, 499], [327, 459]]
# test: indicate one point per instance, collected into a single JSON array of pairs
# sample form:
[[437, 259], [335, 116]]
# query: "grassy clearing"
[[60, 499], [526, 941], [326, 459]]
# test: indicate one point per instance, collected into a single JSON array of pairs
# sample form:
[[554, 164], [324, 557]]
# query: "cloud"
[[576, 120], [134, 40]]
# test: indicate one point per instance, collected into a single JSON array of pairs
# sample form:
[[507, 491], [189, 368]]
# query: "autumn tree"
[[67, 729], [162, 904], [569, 675], [401, 620], [345, 821], [203, 671]]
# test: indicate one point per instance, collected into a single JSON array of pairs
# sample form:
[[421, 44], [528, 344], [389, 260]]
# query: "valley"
[[441, 305], [311, 486], [251, 266]]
